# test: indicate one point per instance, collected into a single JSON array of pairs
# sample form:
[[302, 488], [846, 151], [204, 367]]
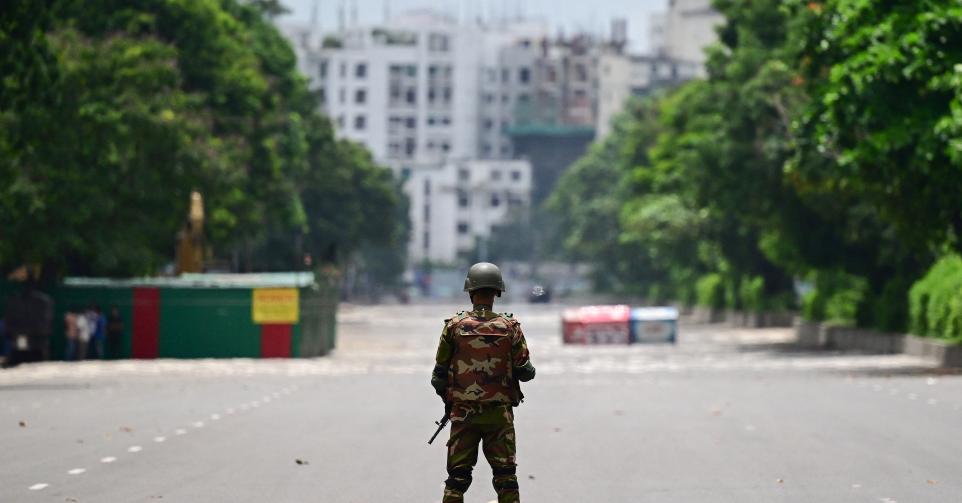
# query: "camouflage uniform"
[[481, 357]]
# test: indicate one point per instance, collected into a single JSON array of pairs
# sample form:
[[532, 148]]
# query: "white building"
[[678, 40], [625, 75], [456, 204], [686, 30]]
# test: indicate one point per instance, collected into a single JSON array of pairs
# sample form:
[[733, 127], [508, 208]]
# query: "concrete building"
[[678, 38], [685, 30], [625, 75], [455, 204], [406, 90]]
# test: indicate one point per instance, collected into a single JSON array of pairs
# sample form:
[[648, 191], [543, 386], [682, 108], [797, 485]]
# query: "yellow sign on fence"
[[276, 305]]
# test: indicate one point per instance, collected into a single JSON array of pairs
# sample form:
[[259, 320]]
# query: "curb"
[[814, 335]]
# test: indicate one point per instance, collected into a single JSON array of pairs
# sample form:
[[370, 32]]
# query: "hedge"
[[935, 301]]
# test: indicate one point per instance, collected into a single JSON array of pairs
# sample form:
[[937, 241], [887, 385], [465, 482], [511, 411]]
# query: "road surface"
[[727, 415]]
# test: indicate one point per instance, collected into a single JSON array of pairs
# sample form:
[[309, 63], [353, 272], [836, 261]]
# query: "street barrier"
[[654, 324], [619, 324], [265, 315]]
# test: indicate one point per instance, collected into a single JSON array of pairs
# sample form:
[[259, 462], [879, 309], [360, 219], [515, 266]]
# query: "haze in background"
[[568, 15]]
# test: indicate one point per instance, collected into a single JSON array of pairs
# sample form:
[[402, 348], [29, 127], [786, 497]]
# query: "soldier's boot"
[[506, 484], [459, 479]]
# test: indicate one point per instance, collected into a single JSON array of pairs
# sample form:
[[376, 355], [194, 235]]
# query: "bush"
[[710, 291], [935, 301], [752, 293], [837, 298]]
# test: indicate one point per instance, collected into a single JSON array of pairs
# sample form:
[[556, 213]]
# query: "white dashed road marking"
[[37, 487], [180, 431], [159, 439], [214, 417], [135, 448], [198, 424], [108, 459], [76, 471]]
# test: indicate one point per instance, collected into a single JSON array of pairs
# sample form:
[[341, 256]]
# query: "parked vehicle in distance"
[[539, 295]]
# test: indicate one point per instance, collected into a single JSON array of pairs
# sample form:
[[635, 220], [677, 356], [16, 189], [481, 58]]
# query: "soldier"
[[481, 357]]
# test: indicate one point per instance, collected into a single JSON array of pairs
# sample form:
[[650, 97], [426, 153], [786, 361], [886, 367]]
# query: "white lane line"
[[108, 459], [266, 399], [932, 401], [912, 396], [76, 471], [180, 431], [198, 424], [135, 448], [159, 439], [214, 417], [37, 487], [229, 411]]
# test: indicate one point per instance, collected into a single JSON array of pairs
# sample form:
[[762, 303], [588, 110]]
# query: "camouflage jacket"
[[480, 351]]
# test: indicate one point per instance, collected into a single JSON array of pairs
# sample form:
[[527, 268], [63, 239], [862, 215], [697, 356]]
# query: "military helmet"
[[484, 275]]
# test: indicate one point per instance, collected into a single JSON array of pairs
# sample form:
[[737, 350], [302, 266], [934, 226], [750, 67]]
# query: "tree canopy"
[[822, 148], [112, 112]]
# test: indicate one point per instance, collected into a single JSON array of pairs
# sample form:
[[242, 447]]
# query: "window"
[[524, 75], [322, 69], [463, 200], [463, 228], [342, 71], [464, 174], [360, 96], [430, 146], [445, 147], [505, 75], [340, 121], [447, 94], [496, 175], [446, 120], [409, 147], [427, 240], [431, 120], [411, 96], [322, 95], [411, 122], [515, 175], [360, 122], [488, 124], [495, 200], [341, 94], [488, 98], [427, 212], [524, 98], [360, 70], [427, 187], [486, 149], [581, 73], [438, 42]]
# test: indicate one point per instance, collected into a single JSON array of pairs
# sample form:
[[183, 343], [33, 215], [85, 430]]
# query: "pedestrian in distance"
[[85, 329], [99, 332], [115, 333], [71, 334], [481, 358]]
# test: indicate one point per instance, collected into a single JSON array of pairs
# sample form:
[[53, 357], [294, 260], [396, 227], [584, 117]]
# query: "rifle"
[[442, 423]]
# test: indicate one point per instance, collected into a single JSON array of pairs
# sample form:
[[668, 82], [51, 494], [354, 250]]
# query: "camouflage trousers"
[[498, 445]]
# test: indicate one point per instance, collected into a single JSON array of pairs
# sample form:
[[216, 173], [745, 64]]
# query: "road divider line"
[[76, 471], [198, 424], [180, 431], [159, 439], [214, 417], [37, 487], [135, 448], [108, 459]]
